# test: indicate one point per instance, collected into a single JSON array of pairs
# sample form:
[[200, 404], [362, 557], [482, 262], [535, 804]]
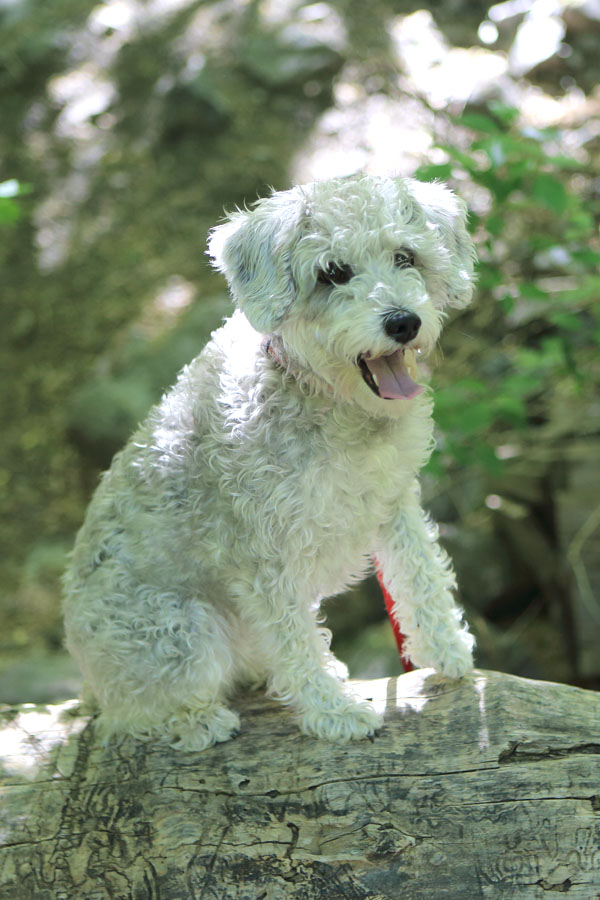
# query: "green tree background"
[[129, 126]]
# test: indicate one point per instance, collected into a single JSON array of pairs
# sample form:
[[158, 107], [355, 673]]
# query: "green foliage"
[[10, 210], [539, 285]]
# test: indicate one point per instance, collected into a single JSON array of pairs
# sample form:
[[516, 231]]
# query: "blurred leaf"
[[476, 416], [506, 114], [515, 150], [581, 224], [465, 406], [479, 122], [508, 303], [567, 321], [435, 466], [495, 224], [587, 290], [564, 162], [469, 163], [586, 256], [496, 152], [500, 185], [443, 171], [511, 406], [9, 211], [486, 456], [551, 192], [489, 277], [530, 291]]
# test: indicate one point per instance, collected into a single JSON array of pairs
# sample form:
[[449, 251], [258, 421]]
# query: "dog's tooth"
[[410, 358]]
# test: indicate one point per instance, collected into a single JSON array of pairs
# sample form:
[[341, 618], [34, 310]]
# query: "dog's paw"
[[448, 652], [455, 668], [201, 729], [350, 721], [455, 659]]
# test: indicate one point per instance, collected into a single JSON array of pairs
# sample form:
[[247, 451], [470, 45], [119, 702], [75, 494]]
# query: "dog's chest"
[[358, 476], [341, 474]]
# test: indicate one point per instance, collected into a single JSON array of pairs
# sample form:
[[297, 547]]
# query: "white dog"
[[282, 462]]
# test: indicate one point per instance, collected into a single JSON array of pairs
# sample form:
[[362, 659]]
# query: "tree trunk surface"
[[484, 788]]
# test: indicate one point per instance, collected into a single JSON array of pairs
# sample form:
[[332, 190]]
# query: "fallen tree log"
[[484, 788]]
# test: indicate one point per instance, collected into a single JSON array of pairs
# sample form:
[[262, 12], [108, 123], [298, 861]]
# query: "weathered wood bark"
[[487, 788]]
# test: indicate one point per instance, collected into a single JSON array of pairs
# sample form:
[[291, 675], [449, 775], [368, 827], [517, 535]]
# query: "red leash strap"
[[400, 638]]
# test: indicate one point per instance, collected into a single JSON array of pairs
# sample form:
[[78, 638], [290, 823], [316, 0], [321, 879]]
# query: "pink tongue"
[[392, 377]]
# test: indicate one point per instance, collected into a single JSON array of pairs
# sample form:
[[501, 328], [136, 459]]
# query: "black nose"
[[402, 326]]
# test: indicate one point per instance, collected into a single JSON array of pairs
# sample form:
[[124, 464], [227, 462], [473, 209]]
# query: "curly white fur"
[[263, 482]]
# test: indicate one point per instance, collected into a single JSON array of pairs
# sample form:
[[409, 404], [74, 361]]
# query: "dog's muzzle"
[[392, 377]]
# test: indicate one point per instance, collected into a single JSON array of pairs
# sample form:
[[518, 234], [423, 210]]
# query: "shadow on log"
[[484, 788]]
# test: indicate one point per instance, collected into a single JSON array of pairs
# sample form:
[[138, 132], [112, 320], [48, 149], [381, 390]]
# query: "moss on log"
[[484, 788]]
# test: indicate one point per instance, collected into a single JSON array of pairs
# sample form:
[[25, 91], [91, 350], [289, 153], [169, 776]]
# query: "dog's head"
[[352, 275]]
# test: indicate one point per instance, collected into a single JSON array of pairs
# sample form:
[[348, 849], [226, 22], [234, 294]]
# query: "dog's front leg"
[[301, 670], [418, 574]]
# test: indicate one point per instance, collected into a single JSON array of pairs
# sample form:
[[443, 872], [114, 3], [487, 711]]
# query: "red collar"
[[268, 347], [272, 346]]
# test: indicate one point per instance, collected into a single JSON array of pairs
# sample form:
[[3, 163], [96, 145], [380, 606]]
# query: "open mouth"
[[391, 377]]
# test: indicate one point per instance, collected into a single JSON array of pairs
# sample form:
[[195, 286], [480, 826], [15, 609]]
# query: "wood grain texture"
[[484, 788]]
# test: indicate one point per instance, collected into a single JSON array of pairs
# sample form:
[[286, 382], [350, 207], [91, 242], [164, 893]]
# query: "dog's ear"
[[253, 250], [447, 213]]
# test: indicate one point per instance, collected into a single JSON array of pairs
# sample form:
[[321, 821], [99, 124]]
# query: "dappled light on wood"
[[482, 788], [28, 738]]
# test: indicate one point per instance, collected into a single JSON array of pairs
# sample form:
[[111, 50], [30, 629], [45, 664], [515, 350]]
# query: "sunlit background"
[[128, 127]]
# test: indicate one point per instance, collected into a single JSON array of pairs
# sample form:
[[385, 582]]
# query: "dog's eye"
[[404, 259], [334, 274]]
